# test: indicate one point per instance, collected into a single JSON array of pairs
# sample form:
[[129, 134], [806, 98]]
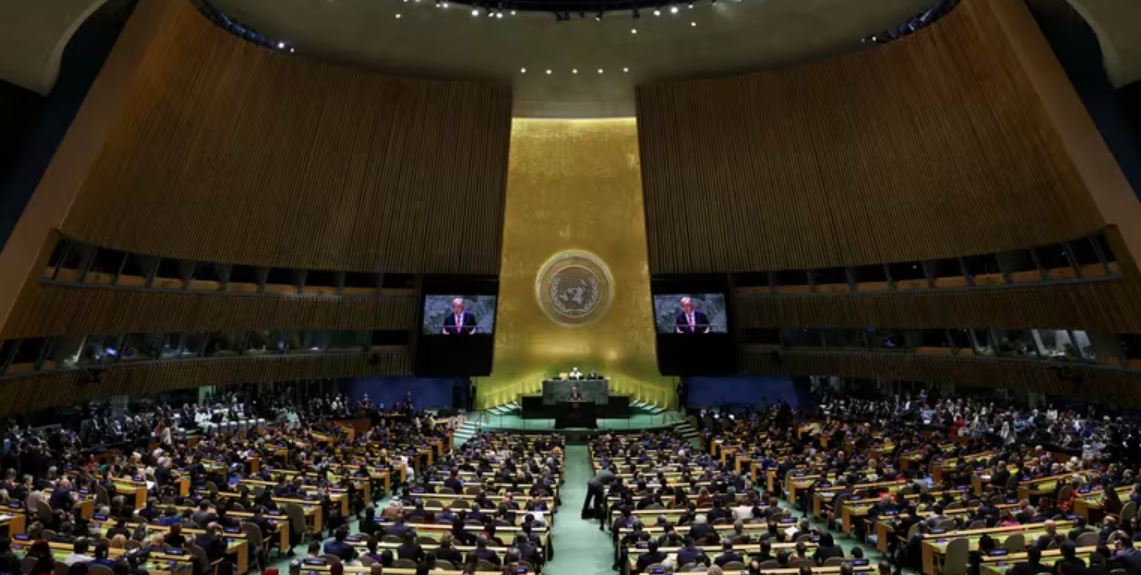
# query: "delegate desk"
[[13, 521], [321, 567], [999, 561], [237, 543], [885, 523], [935, 544], [744, 549], [1090, 503], [156, 564]]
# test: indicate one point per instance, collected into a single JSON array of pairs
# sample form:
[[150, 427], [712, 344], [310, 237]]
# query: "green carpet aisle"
[[580, 548]]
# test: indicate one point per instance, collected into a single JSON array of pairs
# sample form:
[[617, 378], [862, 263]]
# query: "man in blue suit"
[[459, 322]]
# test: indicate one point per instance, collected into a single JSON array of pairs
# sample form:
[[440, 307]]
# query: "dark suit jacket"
[[215, 547], [468, 324], [700, 322]]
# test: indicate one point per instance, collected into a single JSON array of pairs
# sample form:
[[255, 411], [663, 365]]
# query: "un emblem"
[[574, 288]]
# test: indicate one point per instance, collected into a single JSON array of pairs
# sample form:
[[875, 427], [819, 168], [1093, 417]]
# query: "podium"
[[576, 414]]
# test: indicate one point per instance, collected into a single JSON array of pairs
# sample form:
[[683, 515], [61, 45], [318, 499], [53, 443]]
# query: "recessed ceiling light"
[[657, 12], [692, 24], [397, 15], [475, 12], [625, 69], [673, 9], [281, 45], [512, 12], [574, 70], [600, 70], [633, 30], [548, 71], [522, 70]]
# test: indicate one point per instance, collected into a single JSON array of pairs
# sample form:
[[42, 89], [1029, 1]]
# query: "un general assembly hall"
[[570, 287]]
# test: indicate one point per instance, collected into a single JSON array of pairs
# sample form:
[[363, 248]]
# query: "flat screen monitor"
[[457, 326], [690, 313]]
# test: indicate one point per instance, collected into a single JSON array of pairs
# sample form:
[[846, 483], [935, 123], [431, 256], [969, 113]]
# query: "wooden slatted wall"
[[55, 311], [1105, 307], [225, 151], [932, 146], [35, 393], [1077, 381]]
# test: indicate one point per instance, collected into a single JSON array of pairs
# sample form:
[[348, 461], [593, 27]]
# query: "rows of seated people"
[[163, 499], [672, 506], [941, 486], [486, 507]]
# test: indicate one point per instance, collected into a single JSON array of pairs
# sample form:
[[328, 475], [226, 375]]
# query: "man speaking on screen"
[[690, 320], [459, 322]]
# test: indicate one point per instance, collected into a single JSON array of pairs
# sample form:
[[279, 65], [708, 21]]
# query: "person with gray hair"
[[690, 320], [460, 321]]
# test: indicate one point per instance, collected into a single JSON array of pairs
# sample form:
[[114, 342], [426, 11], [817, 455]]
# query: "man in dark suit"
[[459, 322], [481, 552], [690, 320], [212, 542], [650, 557], [728, 555], [1126, 554]]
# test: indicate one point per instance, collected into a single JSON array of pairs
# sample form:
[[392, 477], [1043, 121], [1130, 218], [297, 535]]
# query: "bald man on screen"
[[690, 320], [460, 321]]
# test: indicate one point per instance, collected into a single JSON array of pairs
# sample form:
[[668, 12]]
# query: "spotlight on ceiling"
[[475, 11], [673, 9], [598, 16], [657, 12]]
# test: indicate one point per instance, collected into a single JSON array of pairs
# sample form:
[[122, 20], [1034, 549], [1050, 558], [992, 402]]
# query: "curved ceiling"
[[33, 36], [728, 36]]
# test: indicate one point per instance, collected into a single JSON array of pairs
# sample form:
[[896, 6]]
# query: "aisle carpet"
[[580, 548]]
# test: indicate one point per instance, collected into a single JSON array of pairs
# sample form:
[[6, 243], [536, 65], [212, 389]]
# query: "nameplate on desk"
[[997, 552], [859, 562]]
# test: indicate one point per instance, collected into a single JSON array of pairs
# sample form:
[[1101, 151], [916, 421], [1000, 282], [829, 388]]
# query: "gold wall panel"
[[574, 185]]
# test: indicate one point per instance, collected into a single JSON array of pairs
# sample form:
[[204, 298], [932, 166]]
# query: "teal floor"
[[580, 548]]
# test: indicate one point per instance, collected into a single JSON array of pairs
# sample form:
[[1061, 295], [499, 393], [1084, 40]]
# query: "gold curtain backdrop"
[[574, 186]]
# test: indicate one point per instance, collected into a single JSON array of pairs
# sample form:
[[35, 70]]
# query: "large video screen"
[[690, 313], [459, 315]]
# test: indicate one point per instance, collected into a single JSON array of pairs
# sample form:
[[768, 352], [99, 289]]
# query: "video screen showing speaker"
[[691, 313], [457, 323], [692, 319]]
